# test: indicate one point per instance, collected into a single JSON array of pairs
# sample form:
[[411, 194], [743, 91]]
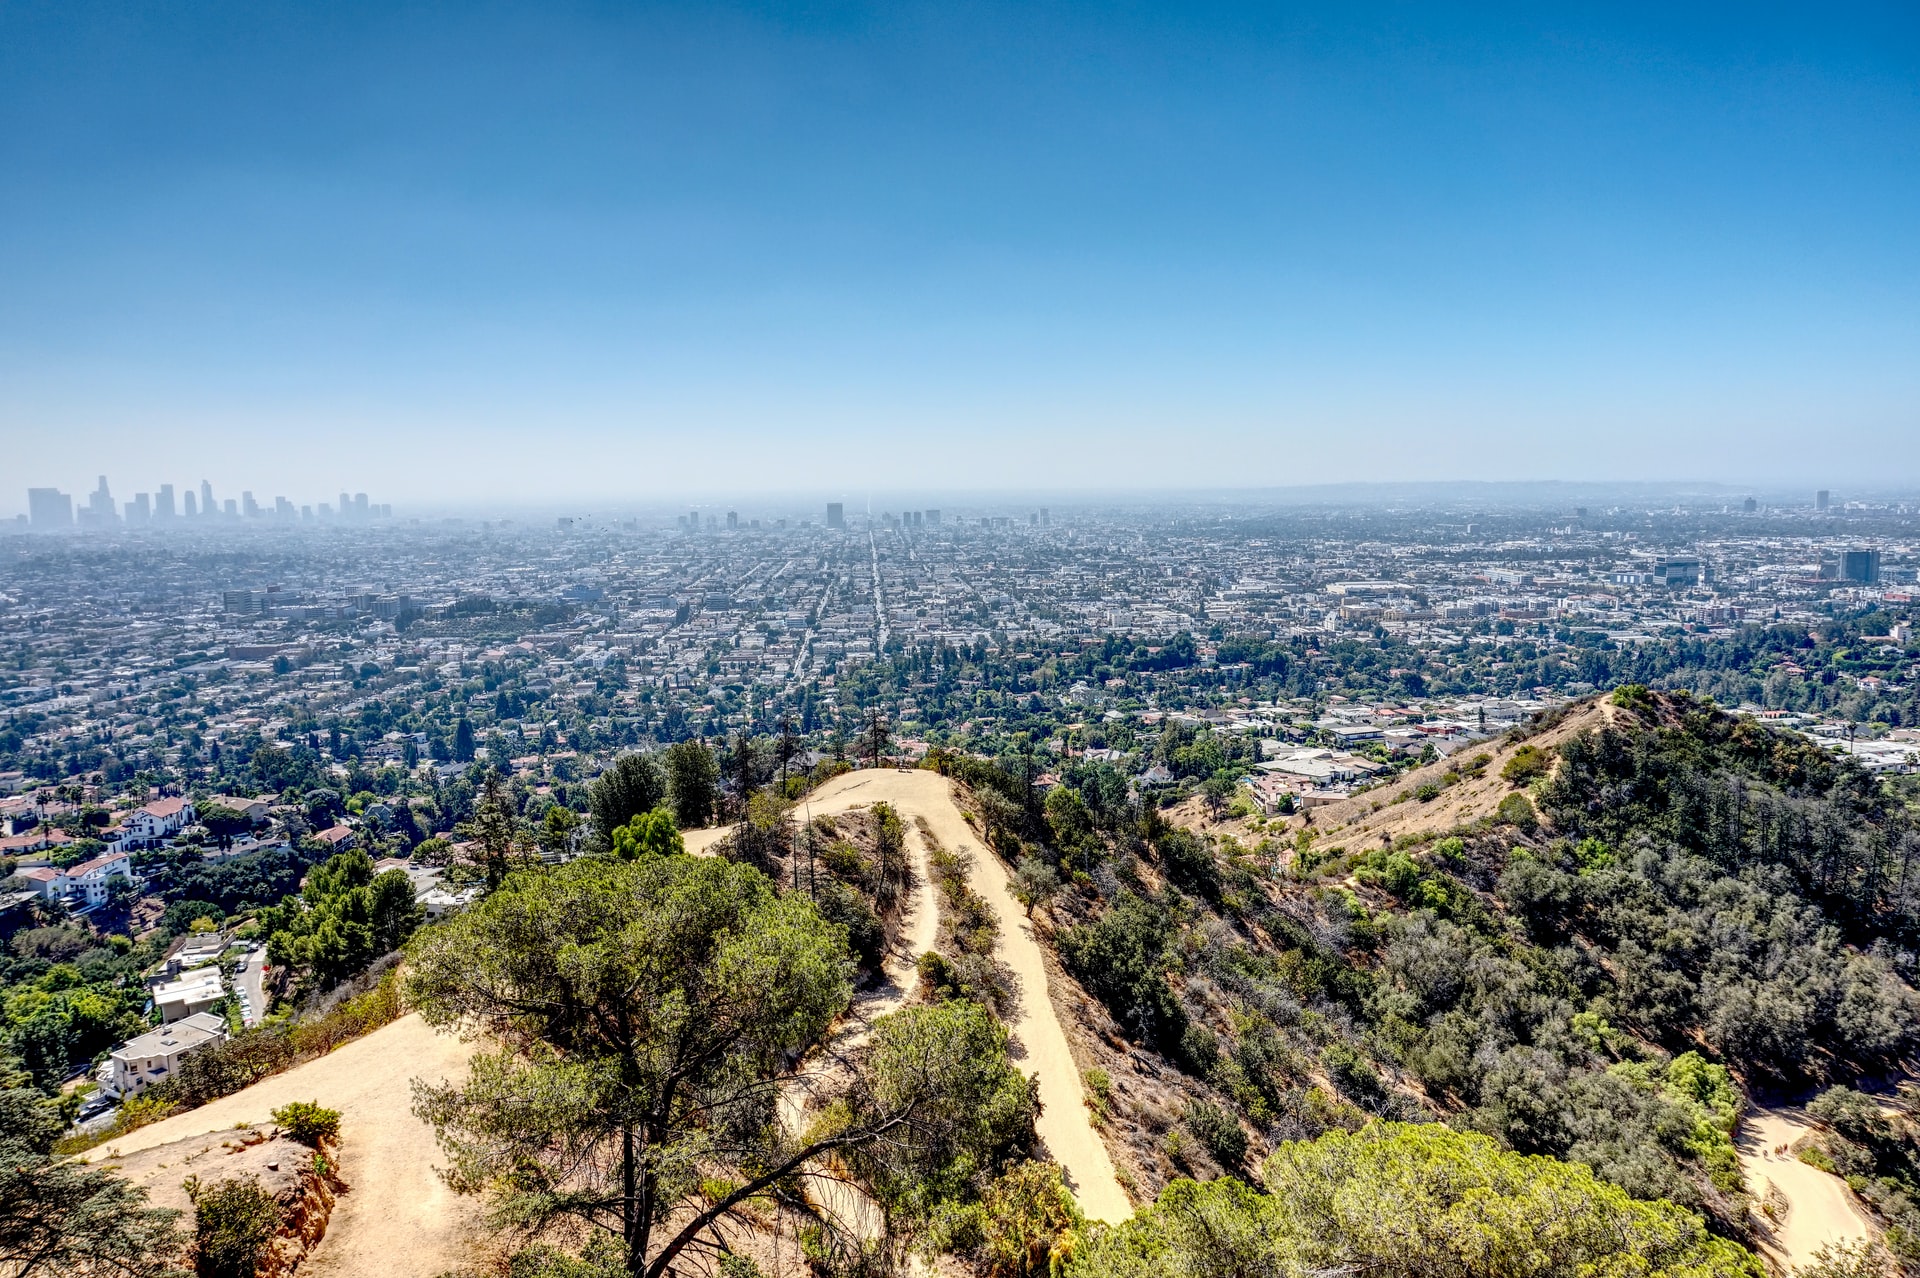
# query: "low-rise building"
[[139, 1063], [151, 823], [338, 837], [194, 992], [90, 880], [85, 885]]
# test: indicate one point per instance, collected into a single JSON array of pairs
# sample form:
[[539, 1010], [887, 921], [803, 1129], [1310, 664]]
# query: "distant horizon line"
[[1356, 492]]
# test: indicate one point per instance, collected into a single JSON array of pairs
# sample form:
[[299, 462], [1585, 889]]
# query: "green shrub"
[[1028, 1213], [1633, 696], [1517, 810], [1409, 1199], [307, 1122], [1121, 959], [1099, 1085], [1218, 1132], [234, 1222], [1527, 764]]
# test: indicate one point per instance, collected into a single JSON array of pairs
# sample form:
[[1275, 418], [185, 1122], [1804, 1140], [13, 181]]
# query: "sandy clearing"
[[699, 842], [397, 1217], [1822, 1209], [1064, 1126]]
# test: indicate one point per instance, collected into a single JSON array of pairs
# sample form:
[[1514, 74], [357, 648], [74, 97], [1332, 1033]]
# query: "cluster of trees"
[[646, 1011], [67, 995], [1418, 1201], [1656, 908], [59, 1217], [1879, 1154], [345, 917]]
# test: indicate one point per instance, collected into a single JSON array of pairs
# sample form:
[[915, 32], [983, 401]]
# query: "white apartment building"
[[139, 1063]]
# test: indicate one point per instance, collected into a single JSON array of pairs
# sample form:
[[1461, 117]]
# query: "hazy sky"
[[469, 252]]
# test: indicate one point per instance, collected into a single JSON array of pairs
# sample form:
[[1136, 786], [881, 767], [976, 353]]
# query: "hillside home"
[[139, 1063]]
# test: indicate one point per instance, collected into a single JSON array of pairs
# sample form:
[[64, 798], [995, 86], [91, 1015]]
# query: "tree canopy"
[[60, 1218], [1411, 1201], [345, 917], [631, 785], [648, 834], [646, 1012]]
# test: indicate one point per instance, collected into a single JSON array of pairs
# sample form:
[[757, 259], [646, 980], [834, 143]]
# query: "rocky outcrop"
[[303, 1181]]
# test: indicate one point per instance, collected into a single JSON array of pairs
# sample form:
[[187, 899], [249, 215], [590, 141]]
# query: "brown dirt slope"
[[1392, 811], [287, 1170], [397, 1217]]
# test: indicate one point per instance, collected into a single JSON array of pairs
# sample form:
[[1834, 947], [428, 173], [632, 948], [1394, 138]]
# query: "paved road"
[[251, 978]]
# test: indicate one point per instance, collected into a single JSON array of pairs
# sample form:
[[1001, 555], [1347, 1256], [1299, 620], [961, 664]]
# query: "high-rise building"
[[249, 506], [1860, 567], [187, 508], [933, 517], [207, 507], [1749, 505], [99, 511], [244, 603], [346, 505], [49, 508], [233, 508], [360, 505], [282, 508], [163, 502], [836, 515], [139, 510], [1820, 500], [733, 519], [1046, 517]]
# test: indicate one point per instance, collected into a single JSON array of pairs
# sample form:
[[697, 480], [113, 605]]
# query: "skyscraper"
[[1820, 500], [163, 502], [1860, 567], [99, 512], [836, 515], [207, 507], [49, 508], [187, 507]]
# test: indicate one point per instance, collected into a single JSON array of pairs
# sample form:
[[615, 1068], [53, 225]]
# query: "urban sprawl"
[[191, 686]]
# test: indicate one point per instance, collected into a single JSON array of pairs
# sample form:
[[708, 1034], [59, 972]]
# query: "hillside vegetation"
[[1594, 954]]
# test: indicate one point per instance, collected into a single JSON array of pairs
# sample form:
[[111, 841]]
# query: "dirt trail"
[[920, 926], [1821, 1207], [1064, 1126], [397, 1217]]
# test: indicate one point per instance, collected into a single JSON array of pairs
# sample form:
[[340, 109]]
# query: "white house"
[[85, 884], [153, 822], [139, 1063], [195, 992], [91, 879]]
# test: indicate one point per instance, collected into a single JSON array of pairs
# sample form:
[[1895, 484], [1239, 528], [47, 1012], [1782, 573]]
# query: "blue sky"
[[473, 252]]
